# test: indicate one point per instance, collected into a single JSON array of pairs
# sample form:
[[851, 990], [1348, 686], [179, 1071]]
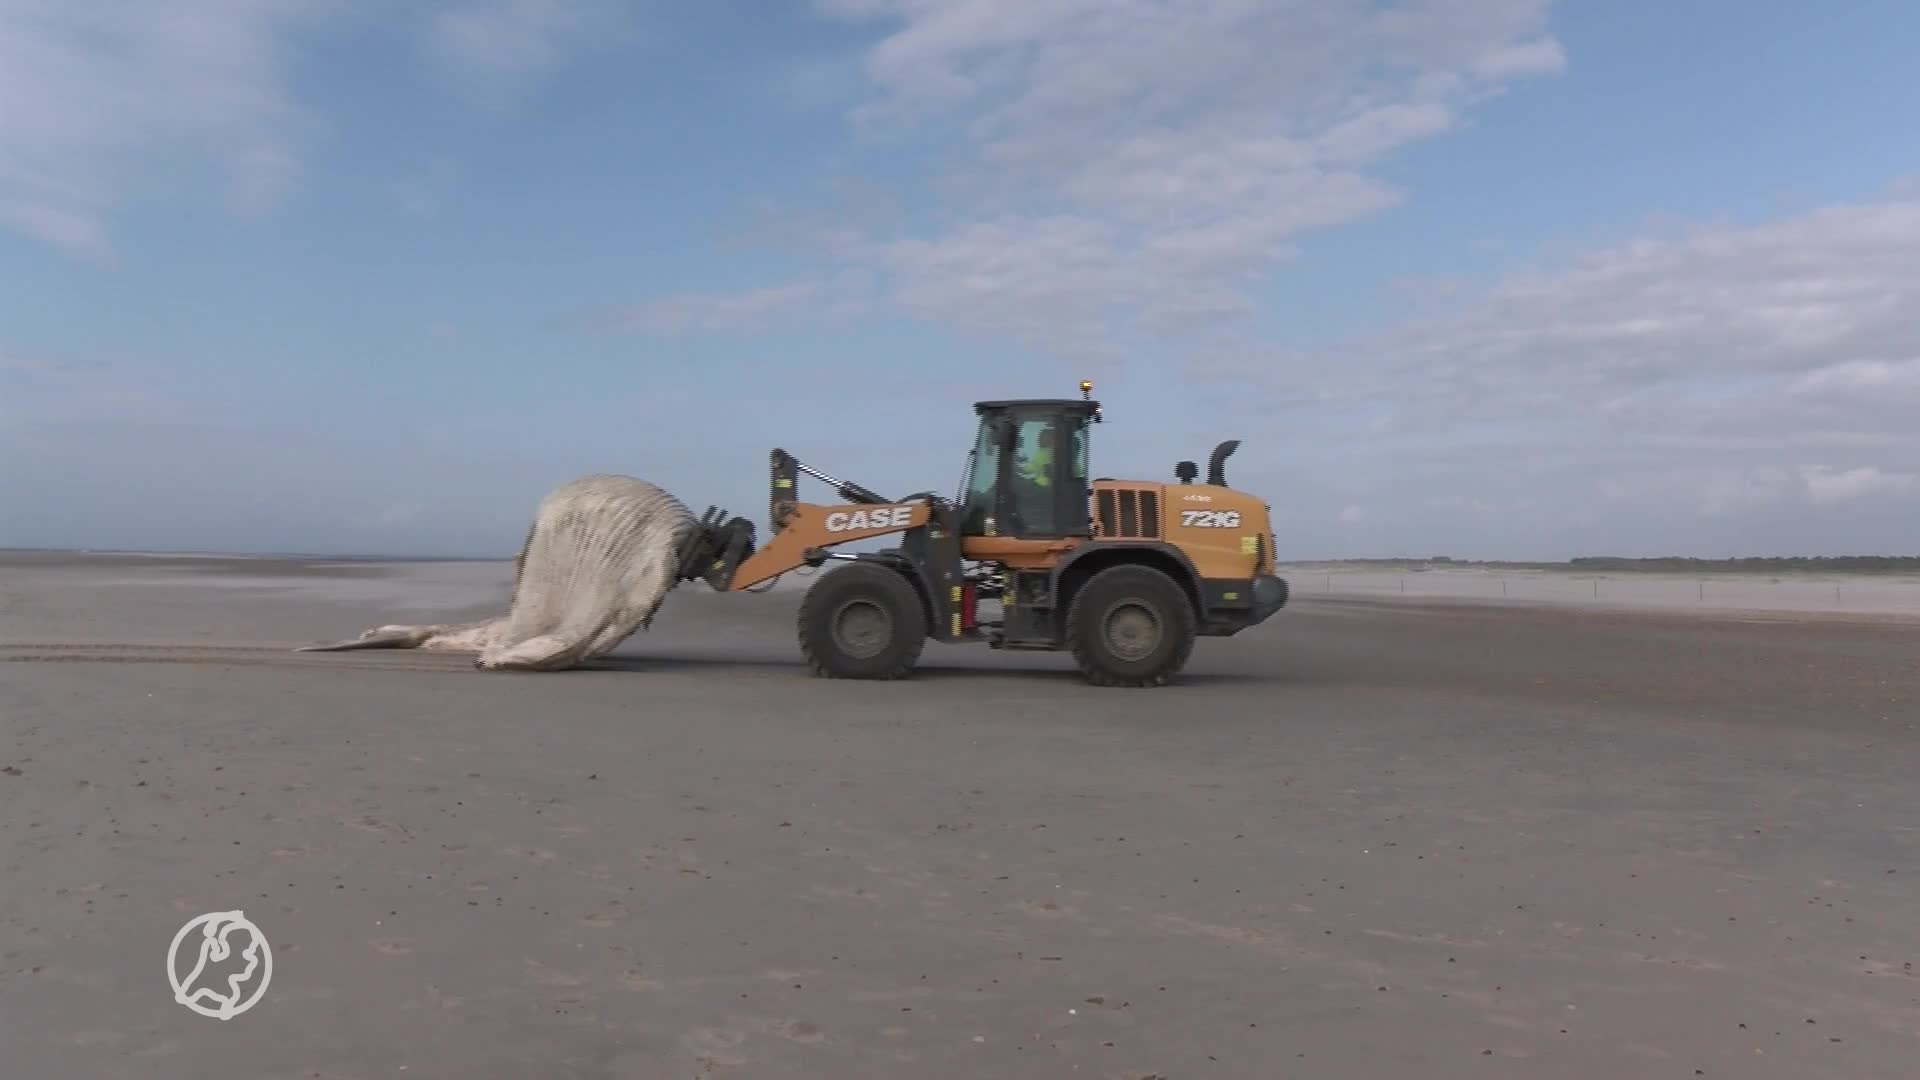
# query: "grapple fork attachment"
[[722, 543]]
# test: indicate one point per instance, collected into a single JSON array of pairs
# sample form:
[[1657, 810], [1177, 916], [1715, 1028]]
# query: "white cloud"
[[495, 47], [834, 297], [91, 92], [1794, 331], [38, 392], [1858, 379], [1735, 373], [680, 312], [1457, 503], [1114, 166], [1734, 491], [1827, 485], [102, 99], [76, 231]]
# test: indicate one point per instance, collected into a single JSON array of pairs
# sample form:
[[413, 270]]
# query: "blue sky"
[[1495, 278]]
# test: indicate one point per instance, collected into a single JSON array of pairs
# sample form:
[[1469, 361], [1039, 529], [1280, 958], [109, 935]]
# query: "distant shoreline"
[[1777, 565], [256, 556], [1782, 564]]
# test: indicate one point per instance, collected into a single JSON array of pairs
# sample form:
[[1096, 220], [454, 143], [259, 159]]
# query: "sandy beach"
[[1439, 833], [1719, 593]]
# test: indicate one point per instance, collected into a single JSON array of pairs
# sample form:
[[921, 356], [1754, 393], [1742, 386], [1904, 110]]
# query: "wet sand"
[[1377, 837]]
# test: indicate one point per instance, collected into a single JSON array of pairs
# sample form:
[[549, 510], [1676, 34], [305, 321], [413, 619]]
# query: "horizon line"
[[1455, 560]]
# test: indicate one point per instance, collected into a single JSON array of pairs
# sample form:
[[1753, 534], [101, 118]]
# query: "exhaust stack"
[[1217, 464]]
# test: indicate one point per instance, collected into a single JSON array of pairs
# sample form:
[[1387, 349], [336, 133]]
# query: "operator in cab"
[[1036, 466]]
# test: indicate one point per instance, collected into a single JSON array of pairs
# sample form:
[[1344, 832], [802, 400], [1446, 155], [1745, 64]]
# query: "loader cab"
[[1027, 477]]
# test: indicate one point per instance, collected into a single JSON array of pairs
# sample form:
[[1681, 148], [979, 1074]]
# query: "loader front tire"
[[862, 621], [1130, 626]]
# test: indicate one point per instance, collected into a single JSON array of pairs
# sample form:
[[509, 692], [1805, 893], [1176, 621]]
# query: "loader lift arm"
[[785, 470], [804, 533]]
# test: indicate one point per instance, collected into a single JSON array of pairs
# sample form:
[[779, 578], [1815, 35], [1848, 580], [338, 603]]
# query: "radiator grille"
[[1133, 513]]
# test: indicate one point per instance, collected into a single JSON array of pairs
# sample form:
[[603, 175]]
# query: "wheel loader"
[[1123, 574]]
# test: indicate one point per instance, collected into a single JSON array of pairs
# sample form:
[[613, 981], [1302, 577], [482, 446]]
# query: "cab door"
[[1022, 484]]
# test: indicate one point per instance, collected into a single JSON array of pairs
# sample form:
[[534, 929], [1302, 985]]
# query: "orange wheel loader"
[[1123, 574]]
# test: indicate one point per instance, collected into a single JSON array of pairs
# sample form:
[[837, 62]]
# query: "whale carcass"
[[601, 556]]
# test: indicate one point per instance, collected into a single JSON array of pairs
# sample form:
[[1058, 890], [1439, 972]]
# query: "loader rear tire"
[[1130, 626], [862, 621]]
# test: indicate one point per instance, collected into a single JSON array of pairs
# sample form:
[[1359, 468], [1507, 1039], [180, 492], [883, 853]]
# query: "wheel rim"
[[862, 629], [1131, 630]]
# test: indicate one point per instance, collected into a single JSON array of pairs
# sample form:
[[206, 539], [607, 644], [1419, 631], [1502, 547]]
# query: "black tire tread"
[[1148, 583], [871, 578]]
